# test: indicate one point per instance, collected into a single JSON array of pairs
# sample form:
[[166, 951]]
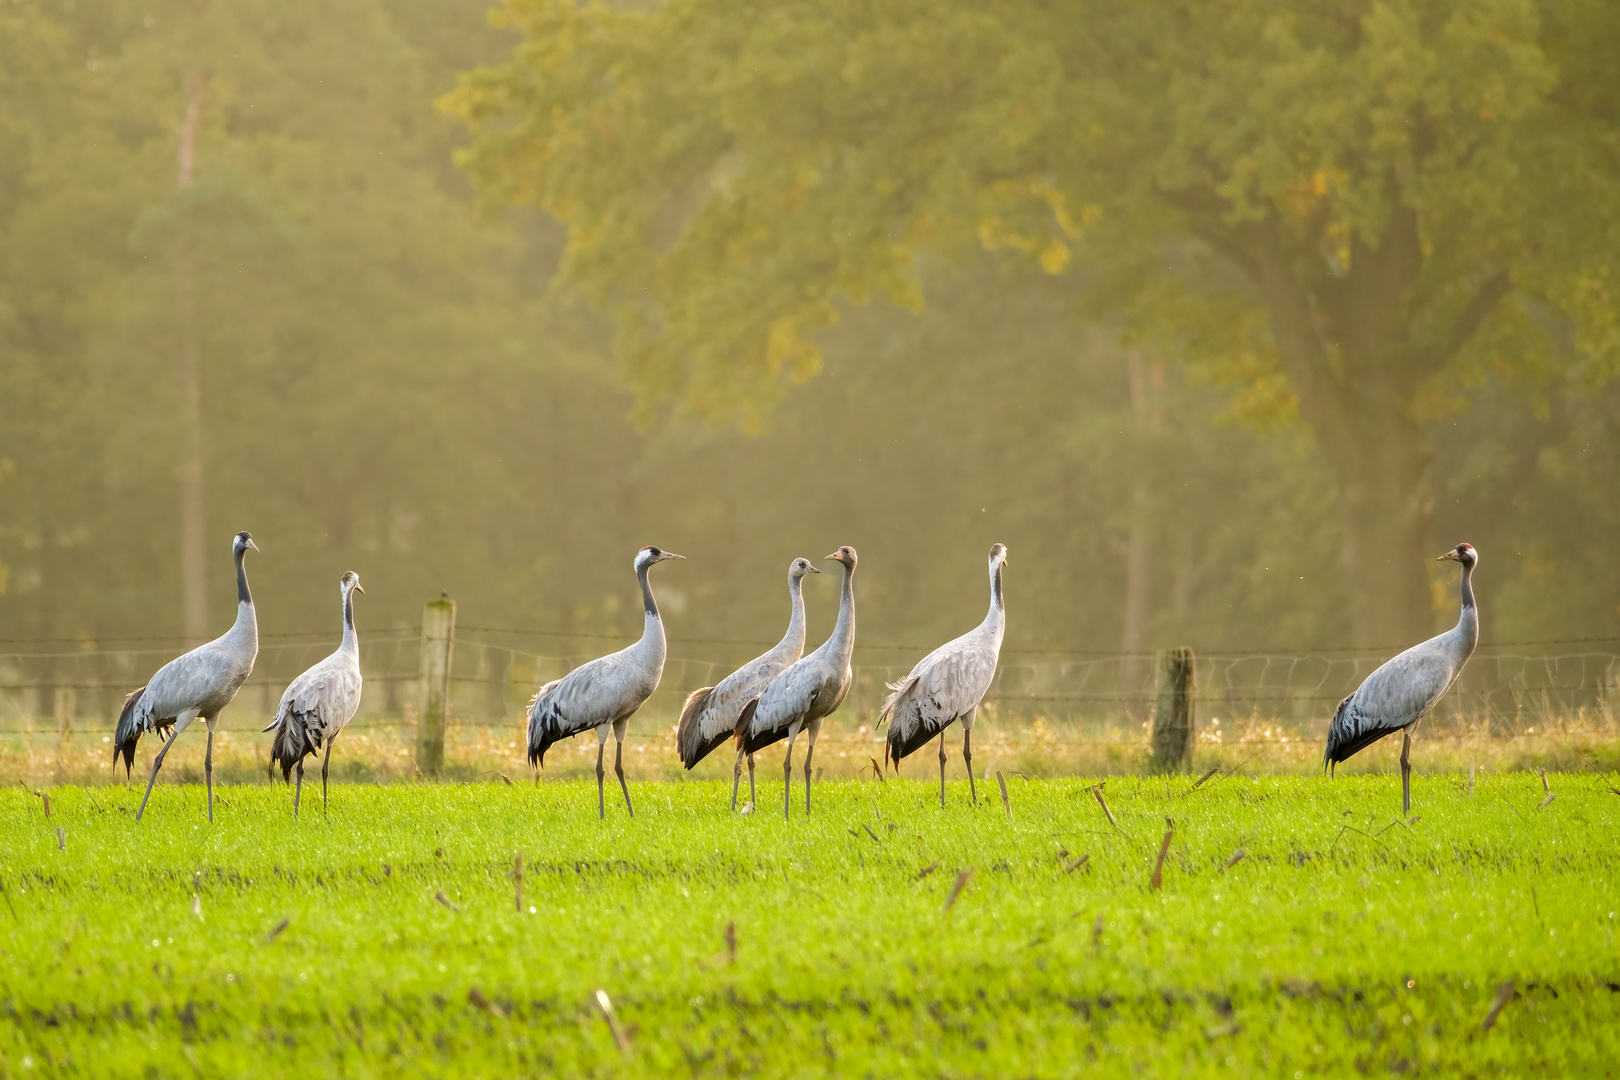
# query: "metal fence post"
[[1173, 728], [438, 647]]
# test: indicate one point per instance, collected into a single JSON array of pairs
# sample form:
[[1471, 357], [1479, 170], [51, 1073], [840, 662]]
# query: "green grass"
[[1323, 952]]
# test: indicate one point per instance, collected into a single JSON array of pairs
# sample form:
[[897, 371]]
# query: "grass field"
[[1343, 942]]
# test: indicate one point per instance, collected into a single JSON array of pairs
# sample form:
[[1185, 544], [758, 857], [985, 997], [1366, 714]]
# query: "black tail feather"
[[291, 745], [126, 735]]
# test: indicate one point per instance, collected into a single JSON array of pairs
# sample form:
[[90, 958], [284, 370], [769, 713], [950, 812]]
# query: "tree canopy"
[[1344, 210]]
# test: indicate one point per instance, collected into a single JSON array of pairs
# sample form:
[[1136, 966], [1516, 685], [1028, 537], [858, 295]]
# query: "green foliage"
[[1341, 940]]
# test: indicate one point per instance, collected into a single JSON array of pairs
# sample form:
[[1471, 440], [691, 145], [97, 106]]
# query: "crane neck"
[[998, 602], [247, 621], [1468, 619], [793, 640], [841, 645], [652, 632], [351, 640]]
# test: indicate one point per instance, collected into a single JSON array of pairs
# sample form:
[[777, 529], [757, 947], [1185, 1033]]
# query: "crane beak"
[[815, 569], [672, 555], [358, 587], [1452, 555], [254, 546]]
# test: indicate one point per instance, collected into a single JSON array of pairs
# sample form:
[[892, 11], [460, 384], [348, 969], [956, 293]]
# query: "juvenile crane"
[[200, 683], [604, 692], [947, 685], [319, 702], [1397, 695], [805, 693], [710, 714]]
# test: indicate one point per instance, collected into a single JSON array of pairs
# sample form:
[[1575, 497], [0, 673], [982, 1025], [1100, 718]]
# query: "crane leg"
[[157, 763], [298, 792], [208, 772], [1406, 773], [751, 780], [325, 761], [967, 760], [942, 770], [601, 746], [736, 780], [618, 762], [787, 770], [809, 752]]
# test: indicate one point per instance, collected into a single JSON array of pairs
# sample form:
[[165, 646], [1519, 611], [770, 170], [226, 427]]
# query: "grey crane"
[[710, 714], [805, 693], [200, 683], [1397, 695], [604, 692], [947, 685], [319, 702]]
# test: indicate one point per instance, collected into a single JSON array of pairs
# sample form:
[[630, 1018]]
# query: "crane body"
[[603, 693], [710, 714], [947, 685], [1404, 688], [317, 704], [805, 694], [199, 683]]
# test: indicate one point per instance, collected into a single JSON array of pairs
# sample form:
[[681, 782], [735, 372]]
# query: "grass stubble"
[[1298, 927]]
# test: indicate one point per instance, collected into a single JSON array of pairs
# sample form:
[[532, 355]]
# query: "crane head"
[[845, 555], [649, 555], [243, 542], [998, 555], [350, 581], [800, 567], [1463, 553]]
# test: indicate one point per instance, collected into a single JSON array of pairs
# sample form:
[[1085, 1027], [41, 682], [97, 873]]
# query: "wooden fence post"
[[1173, 728], [438, 647]]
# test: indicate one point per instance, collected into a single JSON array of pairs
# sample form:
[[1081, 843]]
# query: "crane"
[[710, 714], [318, 703], [947, 685], [199, 683], [604, 692], [805, 693], [1397, 695]]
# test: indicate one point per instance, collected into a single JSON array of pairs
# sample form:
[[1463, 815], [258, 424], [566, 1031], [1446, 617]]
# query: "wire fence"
[[49, 686]]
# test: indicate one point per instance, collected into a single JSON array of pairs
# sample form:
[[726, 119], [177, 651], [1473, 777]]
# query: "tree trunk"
[[193, 559], [1344, 346]]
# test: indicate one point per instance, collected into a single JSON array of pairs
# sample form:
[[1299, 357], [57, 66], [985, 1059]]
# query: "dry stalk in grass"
[[1078, 863], [45, 797], [956, 890], [620, 1034], [517, 877], [1196, 784], [1096, 792], [1546, 787], [1542, 805], [877, 770], [275, 931], [1097, 931], [870, 833], [731, 942], [1164, 849], [445, 900], [1237, 857], [61, 839], [476, 998], [1504, 994], [929, 869], [1006, 803]]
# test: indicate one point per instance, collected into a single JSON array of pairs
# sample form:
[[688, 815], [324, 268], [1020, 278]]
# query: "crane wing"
[[1392, 697], [946, 684]]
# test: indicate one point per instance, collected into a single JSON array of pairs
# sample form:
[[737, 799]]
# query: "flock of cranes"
[[773, 697]]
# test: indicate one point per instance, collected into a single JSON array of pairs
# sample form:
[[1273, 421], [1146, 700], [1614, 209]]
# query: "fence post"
[[438, 645], [1173, 717]]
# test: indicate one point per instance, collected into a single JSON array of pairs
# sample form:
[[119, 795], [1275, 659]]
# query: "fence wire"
[[1512, 688]]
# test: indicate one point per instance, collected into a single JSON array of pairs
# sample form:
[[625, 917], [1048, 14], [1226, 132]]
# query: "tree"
[[1347, 209]]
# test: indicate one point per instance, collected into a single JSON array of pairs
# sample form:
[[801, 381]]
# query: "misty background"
[[246, 284]]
